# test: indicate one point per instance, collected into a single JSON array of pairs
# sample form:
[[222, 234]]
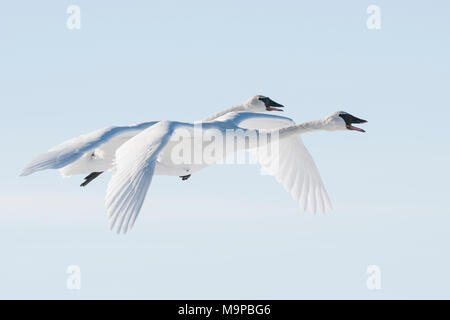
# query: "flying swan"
[[136, 153], [93, 153]]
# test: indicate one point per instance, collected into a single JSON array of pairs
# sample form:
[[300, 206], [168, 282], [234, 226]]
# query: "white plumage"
[[136, 153], [89, 152], [135, 166]]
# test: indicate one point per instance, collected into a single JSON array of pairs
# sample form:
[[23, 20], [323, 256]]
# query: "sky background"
[[229, 232]]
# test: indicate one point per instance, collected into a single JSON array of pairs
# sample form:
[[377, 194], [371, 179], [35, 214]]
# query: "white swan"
[[151, 152], [94, 152]]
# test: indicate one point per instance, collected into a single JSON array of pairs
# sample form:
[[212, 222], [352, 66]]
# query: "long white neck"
[[267, 136], [302, 128], [239, 107]]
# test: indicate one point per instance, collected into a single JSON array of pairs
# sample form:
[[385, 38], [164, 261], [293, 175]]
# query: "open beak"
[[272, 105], [350, 127], [353, 120], [274, 109]]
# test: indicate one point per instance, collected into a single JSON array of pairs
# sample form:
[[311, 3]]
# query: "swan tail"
[[50, 160]]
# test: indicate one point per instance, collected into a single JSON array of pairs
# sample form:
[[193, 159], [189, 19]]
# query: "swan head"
[[261, 103], [341, 120]]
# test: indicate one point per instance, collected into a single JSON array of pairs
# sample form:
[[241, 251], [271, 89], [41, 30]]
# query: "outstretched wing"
[[291, 164], [73, 149], [294, 168], [133, 173]]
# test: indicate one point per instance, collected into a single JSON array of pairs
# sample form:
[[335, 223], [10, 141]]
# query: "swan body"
[[137, 153]]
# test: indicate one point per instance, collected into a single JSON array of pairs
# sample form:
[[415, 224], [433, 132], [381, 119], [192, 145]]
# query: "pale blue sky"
[[147, 60]]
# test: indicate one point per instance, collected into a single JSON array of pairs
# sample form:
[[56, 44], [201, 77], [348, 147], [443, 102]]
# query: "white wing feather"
[[293, 167], [296, 171], [70, 151], [133, 173]]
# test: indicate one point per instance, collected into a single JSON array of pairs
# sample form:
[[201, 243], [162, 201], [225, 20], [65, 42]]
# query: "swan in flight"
[[93, 153], [154, 149]]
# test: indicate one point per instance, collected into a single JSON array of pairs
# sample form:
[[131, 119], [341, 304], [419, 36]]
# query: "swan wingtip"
[[26, 172]]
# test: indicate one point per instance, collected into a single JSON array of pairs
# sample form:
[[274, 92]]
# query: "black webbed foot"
[[90, 177], [185, 177]]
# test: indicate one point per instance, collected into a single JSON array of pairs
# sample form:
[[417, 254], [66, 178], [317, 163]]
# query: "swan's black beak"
[[349, 120], [271, 105]]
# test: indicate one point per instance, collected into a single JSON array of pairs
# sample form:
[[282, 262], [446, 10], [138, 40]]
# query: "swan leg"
[[185, 177], [90, 177]]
